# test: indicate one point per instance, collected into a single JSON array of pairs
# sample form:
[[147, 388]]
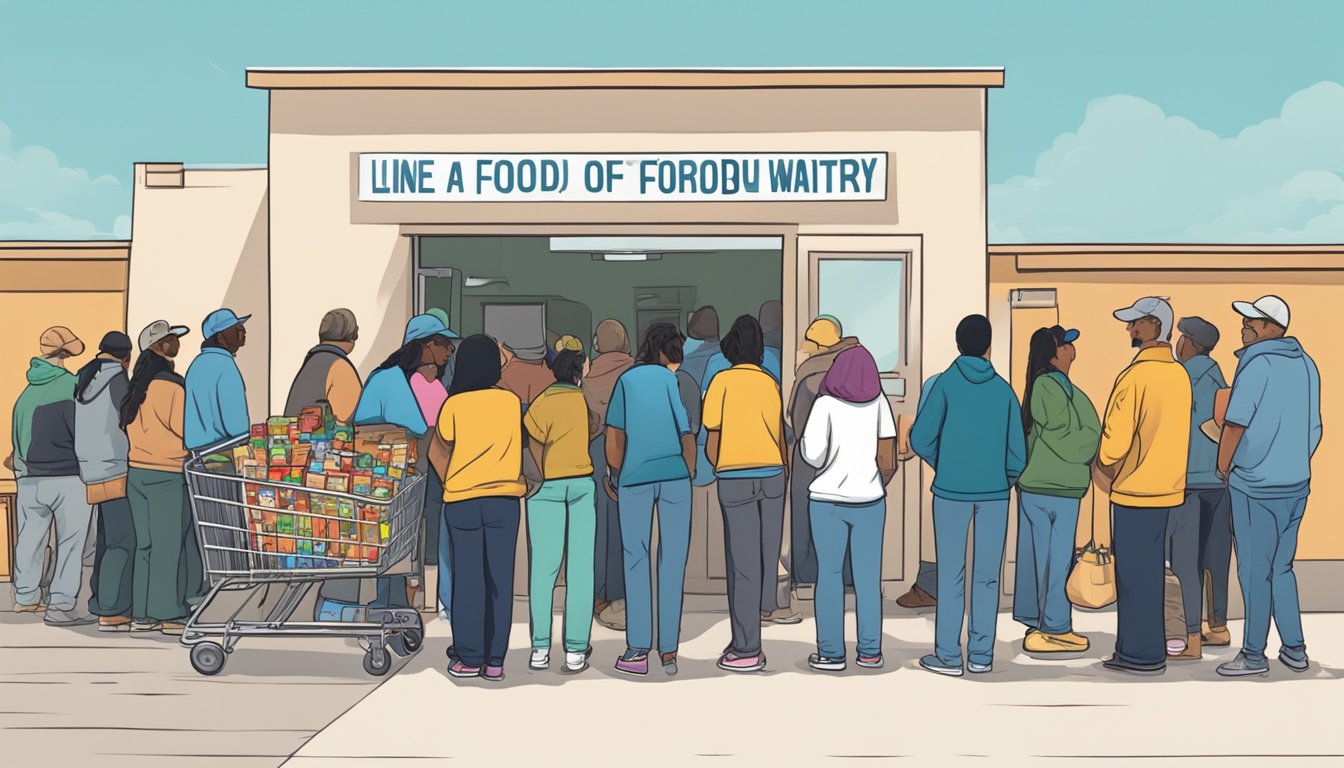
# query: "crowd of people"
[[599, 440]]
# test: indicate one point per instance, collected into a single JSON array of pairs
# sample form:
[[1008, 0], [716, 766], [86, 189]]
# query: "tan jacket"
[[156, 433]]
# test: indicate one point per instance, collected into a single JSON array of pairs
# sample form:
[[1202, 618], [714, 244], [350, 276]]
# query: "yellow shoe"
[[1072, 640], [1045, 645]]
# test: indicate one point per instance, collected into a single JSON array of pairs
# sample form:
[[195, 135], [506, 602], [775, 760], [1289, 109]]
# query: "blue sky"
[[1212, 120]]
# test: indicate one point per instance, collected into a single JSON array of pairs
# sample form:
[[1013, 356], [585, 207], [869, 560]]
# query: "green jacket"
[[1063, 439]]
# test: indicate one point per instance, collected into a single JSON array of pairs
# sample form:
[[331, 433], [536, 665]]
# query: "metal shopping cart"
[[330, 535]]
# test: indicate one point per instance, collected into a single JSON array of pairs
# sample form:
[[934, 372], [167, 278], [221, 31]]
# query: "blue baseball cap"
[[424, 326], [221, 320], [1064, 336]]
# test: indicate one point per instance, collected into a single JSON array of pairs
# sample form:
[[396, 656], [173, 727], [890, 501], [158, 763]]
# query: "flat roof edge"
[[1076, 249]]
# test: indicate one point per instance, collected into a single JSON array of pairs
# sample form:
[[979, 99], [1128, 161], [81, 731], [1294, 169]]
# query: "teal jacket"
[[1063, 440], [1205, 381], [969, 430]]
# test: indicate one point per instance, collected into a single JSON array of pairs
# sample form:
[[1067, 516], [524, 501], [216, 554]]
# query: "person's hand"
[[9, 462], [611, 491]]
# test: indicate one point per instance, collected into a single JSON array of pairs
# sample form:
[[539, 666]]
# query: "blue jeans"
[[445, 566], [951, 526], [673, 499], [1266, 542], [856, 529], [1046, 526]]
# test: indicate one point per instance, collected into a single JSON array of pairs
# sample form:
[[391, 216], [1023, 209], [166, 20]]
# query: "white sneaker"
[[576, 662], [541, 658]]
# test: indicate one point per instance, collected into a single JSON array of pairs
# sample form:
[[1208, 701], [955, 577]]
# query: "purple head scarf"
[[853, 377]]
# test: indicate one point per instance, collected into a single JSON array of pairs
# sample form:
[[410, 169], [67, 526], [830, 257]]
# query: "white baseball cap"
[[1149, 306], [158, 331], [1270, 308]]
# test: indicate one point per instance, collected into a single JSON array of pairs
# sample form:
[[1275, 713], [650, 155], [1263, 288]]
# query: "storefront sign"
[[581, 178]]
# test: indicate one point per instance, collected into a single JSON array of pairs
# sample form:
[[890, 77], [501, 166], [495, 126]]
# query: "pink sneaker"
[[493, 672], [633, 663], [460, 669], [731, 662]]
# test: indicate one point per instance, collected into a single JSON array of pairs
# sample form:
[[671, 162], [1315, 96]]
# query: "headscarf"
[[853, 377], [704, 324], [611, 336], [477, 365]]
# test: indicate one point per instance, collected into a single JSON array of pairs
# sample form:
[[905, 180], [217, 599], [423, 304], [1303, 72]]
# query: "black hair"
[[568, 366], [744, 342], [1044, 347], [974, 335], [86, 375], [477, 365], [664, 338], [214, 342], [148, 367], [410, 356]]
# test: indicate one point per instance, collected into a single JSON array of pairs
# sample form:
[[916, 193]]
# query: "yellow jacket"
[[1147, 431]]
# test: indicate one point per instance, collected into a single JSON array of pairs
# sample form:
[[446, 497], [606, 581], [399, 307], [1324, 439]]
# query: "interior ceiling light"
[[663, 244], [627, 256], [481, 282]]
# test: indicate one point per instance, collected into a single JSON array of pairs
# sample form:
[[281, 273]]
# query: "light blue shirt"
[[216, 408], [387, 399], [1276, 396], [646, 405]]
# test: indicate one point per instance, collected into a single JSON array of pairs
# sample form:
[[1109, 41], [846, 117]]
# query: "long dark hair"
[[664, 338], [148, 367], [410, 357], [1044, 348], [477, 366], [745, 342]]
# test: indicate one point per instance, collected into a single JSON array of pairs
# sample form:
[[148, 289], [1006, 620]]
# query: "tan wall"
[[352, 254], [198, 248], [1087, 297]]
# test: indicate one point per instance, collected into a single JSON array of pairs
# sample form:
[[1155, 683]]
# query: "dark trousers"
[[609, 557], [1215, 547], [753, 532], [484, 538], [114, 554], [1139, 541], [1183, 554]]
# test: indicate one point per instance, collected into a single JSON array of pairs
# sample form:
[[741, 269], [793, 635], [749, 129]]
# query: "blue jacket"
[[387, 399], [1276, 396], [216, 408], [969, 431], [1205, 380]]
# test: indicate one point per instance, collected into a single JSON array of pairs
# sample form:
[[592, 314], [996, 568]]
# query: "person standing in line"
[[102, 448], [561, 521], [327, 373], [850, 438], [744, 421], [216, 393], [651, 458], [481, 424], [446, 374], [612, 344], [430, 386], [1271, 431], [50, 492], [1062, 432], [167, 557], [527, 375], [701, 348], [1199, 532], [1145, 441], [970, 433]]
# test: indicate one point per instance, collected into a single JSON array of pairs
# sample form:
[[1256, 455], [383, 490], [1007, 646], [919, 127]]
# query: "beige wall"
[[201, 247]]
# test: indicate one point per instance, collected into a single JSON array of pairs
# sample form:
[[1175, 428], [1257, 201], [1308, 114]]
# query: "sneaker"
[[782, 616], [933, 664], [444, 617], [173, 627], [1175, 646], [870, 662], [1294, 663], [59, 618], [34, 608], [976, 668], [1042, 644], [1115, 664], [826, 663], [493, 672], [114, 624], [633, 663], [576, 662], [145, 626], [1243, 667], [541, 658], [1071, 638], [670, 664], [732, 662], [460, 669]]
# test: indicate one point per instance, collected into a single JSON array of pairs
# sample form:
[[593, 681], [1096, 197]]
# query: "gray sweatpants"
[[44, 502], [753, 530]]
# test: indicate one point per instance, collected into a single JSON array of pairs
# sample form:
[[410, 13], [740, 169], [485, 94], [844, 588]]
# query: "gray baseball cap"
[[1200, 331], [158, 331], [1149, 306]]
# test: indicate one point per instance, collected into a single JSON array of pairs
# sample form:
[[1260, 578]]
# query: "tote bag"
[[1091, 583]]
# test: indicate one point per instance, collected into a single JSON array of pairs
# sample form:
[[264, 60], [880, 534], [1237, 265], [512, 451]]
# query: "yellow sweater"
[[1147, 431]]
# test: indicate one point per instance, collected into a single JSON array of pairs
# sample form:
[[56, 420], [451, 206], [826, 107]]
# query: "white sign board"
[[622, 178]]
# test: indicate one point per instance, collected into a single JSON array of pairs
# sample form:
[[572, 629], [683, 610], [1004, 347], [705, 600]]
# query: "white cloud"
[[41, 199], [1132, 173]]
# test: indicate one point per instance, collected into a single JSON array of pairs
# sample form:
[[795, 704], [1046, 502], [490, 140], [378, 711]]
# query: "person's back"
[[388, 399], [323, 368], [1276, 396], [646, 405], [1205, 380], [216, 405], [485, 429], [100, 442], [44, 423], [526, 379]]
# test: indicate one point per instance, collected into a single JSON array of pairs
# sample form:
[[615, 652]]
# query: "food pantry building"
[[533, 204]]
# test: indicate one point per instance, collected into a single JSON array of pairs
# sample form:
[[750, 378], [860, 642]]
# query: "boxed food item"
[[361, 483], [338, 481], [266, 497], [341, 438]]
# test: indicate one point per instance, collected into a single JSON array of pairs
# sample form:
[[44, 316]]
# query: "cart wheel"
[[406, 642], [207, 658], [377, 662]]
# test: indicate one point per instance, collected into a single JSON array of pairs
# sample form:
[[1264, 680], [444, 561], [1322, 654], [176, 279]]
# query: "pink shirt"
[[429, 395]]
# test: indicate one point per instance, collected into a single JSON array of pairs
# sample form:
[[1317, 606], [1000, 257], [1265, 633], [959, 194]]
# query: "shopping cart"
[[246, 563]]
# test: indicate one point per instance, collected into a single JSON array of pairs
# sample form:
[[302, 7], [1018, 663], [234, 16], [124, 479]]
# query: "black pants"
[[609, 556], [1215, 547], [114, 552], [1140, 569], [484, 538]]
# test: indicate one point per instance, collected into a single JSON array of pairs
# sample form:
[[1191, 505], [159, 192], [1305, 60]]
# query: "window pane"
[[867, 297]]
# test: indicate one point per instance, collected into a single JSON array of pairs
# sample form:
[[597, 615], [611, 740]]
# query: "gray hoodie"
[[100, 443]]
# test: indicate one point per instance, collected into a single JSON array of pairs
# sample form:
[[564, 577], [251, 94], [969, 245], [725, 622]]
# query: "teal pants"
[[562, 526], [166, 571]]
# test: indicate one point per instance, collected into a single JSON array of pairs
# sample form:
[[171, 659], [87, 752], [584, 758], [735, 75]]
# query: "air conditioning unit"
[[1033, 298]]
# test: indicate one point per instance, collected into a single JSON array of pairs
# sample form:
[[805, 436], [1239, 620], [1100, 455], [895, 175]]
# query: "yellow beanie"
[[824, 331], [570, 343]]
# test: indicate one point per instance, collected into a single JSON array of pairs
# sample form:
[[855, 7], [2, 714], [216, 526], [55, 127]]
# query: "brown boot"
[[1215, 635], [916, 598], [1193, 650]]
